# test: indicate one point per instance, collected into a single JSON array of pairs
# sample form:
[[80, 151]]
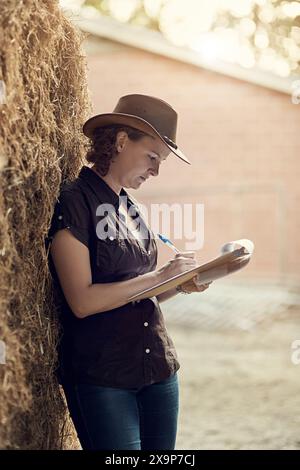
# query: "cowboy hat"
[[145, 113]]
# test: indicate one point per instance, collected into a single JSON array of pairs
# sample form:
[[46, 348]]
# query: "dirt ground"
[[239, 389]]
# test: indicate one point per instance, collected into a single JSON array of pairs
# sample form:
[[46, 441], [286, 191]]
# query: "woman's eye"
[[151, 157]]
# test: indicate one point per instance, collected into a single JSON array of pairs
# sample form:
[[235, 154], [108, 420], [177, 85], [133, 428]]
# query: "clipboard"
[[234, 256]]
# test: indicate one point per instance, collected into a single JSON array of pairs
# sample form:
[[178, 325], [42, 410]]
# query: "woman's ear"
[[121, 141]]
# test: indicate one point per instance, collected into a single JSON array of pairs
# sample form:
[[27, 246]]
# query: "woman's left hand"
[[194, 285]]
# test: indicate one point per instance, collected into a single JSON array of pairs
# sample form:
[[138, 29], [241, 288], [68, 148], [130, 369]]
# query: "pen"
[[168, 242]]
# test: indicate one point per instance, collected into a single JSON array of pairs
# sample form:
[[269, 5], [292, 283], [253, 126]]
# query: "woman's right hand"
[[182, 262]]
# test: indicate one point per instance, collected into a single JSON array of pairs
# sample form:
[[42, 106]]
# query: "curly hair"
[[103, 145]]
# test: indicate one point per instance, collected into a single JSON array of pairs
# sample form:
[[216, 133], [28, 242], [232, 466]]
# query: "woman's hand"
[[194, 285], [182, 262]]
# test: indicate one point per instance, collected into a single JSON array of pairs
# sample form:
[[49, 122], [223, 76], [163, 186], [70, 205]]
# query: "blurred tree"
[[265, 33]]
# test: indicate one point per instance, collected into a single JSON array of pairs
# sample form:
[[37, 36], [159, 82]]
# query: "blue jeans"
[[109, 418]]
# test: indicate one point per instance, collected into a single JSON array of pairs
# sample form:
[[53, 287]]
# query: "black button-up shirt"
[[128, 346]]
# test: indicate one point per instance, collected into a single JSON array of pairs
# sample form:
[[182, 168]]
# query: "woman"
[[117, 363]]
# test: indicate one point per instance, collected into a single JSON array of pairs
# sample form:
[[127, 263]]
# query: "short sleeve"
[[71, 211]]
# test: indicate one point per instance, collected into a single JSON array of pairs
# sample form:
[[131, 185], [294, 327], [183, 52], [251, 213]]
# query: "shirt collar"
[[104, 192]]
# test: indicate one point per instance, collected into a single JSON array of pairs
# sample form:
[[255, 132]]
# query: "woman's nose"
[[155, 169]]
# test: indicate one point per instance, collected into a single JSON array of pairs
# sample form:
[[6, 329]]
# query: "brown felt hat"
[[145, 113]]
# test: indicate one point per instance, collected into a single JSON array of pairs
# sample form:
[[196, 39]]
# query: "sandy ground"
[[239, 390]]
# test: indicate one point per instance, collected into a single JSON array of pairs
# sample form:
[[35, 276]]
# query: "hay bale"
[[43, 73]]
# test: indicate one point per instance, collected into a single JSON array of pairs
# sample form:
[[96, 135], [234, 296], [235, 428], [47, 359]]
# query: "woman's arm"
[[71, 259], [189, 286], [167, 295]]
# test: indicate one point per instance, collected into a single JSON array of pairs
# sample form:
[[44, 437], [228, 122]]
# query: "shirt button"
[[146, 323], [147, 350], [111, 238], [149, 252], [60, 217]]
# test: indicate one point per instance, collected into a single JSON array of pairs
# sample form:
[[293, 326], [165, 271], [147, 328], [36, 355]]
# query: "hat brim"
[[130, 120]]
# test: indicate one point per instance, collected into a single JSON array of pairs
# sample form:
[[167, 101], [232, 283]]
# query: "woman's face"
[[138, 160]]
